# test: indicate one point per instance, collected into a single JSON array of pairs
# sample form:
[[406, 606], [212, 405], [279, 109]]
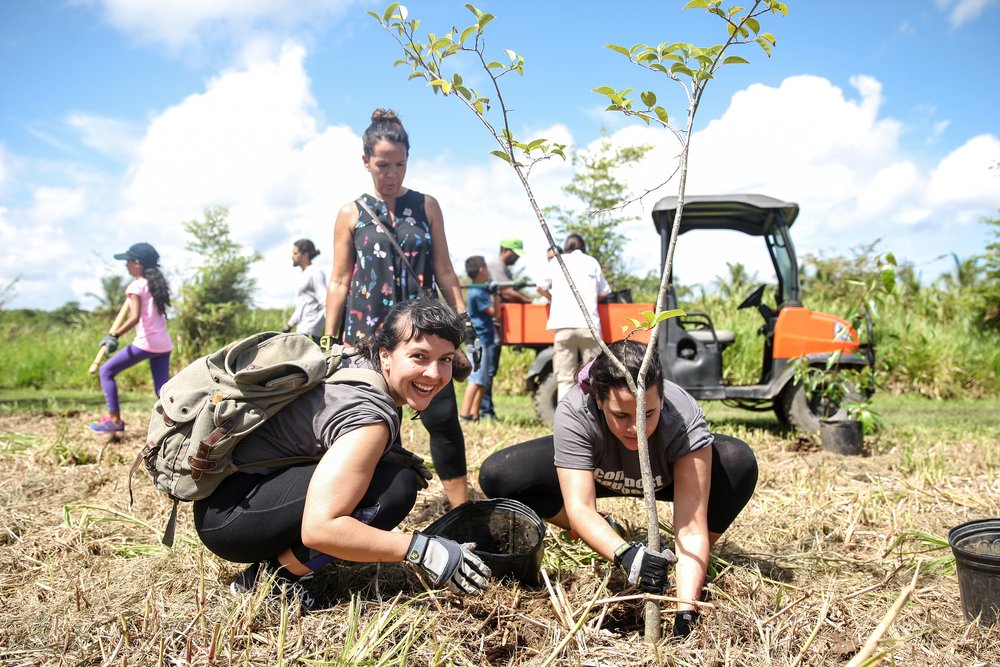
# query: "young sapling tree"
[[690, 66]]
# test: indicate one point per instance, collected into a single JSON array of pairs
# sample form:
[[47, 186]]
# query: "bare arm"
[[343, 267], [692, 482], [444, 272], [133, 315], [338, 485], [547, 295], [580, 504], [513, 296]]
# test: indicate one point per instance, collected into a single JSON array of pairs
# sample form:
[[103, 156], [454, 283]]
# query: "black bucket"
[[508, 536], [976, 546], [841, 436]]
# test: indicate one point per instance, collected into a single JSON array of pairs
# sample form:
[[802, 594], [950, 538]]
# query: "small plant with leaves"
[[652, 319], [834, 385]]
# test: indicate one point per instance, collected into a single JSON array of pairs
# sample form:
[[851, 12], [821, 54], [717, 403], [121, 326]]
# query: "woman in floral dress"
[[369, 277]]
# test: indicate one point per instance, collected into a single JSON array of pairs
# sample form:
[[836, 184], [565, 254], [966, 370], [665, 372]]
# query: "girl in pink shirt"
[[148, 297]]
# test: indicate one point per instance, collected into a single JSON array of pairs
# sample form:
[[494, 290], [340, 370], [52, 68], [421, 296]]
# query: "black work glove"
[[645, 568], [684, 622], [410, 460], [493, 288], [472, 343], [449, 562], [285, 329], [109, 342]]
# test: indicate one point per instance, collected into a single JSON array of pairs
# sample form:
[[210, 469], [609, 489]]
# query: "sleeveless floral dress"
[[380, 279]]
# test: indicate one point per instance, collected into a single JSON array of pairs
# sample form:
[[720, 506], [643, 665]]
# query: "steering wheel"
[[754, 300]]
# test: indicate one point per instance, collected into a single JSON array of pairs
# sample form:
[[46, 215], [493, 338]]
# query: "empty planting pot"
[[976, 546], [508, 536]]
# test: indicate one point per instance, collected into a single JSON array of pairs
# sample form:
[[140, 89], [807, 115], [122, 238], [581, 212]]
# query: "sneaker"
[[281, 584], [108, 425]]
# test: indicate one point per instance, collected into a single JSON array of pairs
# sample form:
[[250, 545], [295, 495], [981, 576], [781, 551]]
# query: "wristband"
[[417, 548], [620, 551]]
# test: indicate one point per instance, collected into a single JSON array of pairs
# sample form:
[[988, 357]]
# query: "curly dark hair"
[[158, 287]]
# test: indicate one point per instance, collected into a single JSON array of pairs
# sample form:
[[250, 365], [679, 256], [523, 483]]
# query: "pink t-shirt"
[[151, 332]]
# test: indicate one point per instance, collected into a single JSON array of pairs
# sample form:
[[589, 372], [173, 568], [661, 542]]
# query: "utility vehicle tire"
[[545, 399], [803, 413]]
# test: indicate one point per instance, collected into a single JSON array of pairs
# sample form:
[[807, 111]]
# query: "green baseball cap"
[[515, 245]]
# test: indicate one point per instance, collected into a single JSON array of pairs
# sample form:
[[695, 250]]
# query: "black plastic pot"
[[508, 536], [841, 436], [976, 546]]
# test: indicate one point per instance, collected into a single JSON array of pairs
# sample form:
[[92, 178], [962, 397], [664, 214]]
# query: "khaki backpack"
[[210, 405]]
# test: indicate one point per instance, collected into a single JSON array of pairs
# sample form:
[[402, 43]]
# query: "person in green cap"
[[511, 250]]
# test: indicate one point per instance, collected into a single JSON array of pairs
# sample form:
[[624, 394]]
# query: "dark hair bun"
[[381, 115]]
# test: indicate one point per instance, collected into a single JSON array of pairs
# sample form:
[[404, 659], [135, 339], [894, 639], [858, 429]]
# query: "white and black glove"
[[449, 562], [645, 568], [110, 343]]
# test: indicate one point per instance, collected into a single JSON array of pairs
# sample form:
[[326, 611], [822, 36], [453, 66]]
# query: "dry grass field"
[[832, 554]]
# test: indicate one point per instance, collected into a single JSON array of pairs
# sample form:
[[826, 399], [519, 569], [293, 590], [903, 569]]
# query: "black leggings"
[[252, 518], [440, 418], [526, 472]]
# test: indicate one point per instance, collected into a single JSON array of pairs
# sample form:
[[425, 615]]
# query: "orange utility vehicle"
[[691, 347]]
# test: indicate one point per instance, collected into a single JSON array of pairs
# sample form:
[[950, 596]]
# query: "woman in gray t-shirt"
[[292, 521], [593, 453]]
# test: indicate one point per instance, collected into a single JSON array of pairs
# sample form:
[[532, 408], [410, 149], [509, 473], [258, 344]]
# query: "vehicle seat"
[[725, 336]]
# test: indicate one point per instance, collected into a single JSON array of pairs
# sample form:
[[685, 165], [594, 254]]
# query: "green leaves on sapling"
[[651, 319]]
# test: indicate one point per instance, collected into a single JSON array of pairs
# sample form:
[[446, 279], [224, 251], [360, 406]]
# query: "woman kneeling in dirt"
[[293, 521], [709, 478]]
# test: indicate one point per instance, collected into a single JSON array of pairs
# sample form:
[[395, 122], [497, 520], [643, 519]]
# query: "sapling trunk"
[[697, 64]]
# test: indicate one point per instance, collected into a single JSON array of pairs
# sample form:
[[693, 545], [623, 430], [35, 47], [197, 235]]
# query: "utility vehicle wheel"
[[545, 399], [802, 412]]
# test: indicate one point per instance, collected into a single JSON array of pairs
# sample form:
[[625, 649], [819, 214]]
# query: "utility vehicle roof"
[[750, 214]]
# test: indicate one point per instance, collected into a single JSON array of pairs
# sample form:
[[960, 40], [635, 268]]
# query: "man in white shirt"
[[573, 340], [310, 295]]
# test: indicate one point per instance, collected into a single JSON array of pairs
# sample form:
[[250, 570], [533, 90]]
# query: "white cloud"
[[110, 136], [961, 12], [966, 175], [252, 140], [57, 206], [838, 158], [181, 23]]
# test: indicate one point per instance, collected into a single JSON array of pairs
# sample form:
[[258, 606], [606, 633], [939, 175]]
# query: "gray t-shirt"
[[310, 424], [584, 442], [499, 272]]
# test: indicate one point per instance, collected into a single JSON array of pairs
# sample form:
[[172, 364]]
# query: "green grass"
[[67, 402]]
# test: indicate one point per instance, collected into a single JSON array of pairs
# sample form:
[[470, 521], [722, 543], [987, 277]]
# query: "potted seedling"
[[840, 392], [845, 414]]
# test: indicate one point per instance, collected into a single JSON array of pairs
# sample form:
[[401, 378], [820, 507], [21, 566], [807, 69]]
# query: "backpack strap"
[[359, 376], [412, 274]]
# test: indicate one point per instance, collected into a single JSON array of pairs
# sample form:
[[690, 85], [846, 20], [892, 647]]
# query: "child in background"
[[148, 298], [482, 307]]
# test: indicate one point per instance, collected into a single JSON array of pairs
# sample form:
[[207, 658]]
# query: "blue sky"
[[120, 119]]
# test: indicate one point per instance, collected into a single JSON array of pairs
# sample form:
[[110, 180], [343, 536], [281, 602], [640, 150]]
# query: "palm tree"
[[737, 282], [111, 296]]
